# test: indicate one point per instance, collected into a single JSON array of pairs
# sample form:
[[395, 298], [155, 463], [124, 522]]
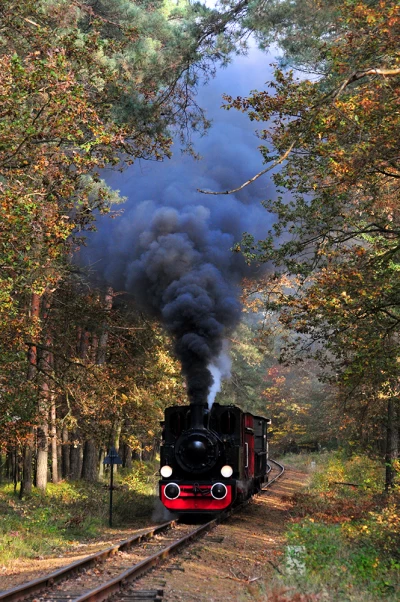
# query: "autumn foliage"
[[83, 88], [335, 240]]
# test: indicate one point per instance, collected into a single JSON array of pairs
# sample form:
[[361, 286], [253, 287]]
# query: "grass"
[[345, 538], [52, 522], [44, 523]]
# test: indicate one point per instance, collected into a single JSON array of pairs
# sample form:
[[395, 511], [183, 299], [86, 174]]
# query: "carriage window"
[[228, 423]]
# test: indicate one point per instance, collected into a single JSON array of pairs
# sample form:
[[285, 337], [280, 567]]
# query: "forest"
[[90, 355]]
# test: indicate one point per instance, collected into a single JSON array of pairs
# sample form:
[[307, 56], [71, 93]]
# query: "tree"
[[83, 87], [249, 363], [336, 235]]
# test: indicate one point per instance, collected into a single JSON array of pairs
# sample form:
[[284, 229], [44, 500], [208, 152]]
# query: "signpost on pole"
[[111, 459]]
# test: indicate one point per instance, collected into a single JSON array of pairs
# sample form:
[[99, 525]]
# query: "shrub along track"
[[103, 574]]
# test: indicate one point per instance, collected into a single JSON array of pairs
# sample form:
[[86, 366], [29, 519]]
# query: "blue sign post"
[[111, 459]]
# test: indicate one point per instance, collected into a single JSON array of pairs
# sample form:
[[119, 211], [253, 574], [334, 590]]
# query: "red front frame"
[[190, 502]]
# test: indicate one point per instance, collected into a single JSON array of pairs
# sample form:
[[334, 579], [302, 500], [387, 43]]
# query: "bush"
[[348, 538], [365, 473], [137, 498], [46, 522], [50, 522]]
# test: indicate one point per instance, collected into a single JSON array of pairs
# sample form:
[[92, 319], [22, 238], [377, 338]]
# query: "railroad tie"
[[60, 597], [145, 594]]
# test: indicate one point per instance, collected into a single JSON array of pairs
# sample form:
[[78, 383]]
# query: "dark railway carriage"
[[209, 460]]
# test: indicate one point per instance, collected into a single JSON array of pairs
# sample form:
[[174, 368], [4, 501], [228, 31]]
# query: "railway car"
[[211, 459]]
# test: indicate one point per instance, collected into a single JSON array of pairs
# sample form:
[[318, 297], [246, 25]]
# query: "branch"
[[215, 28], [63, 357], [360, 74], [92, 13], [343, 483], [31, 22], [261, 173]]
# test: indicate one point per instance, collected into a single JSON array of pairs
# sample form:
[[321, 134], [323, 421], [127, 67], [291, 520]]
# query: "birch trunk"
[[53, 440], [102, 455], [27, 454], [46, 365]]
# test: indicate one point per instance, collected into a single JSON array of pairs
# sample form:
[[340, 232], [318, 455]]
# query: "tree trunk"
[[46, 365], [116, 441], [392, 443], [42, 449], [102, 455], [94, 349], [27, 453], [59, 455], [99, 355], [84, 344], [65, 454], [27, 472], [75, 457], [127, 457], [16, 475], [8, 467], [42, 457], [53, 440], [89, 467]]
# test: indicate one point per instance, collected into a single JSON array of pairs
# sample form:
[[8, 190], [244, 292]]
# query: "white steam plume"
[[220, 370]]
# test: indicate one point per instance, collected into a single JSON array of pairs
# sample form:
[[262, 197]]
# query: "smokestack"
[[197, 412]]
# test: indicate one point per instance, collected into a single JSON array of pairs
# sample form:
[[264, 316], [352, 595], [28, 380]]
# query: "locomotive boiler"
[[211, 459]]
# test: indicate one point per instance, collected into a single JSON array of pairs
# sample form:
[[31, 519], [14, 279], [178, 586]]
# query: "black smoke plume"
[[180, 266], [173, 254]]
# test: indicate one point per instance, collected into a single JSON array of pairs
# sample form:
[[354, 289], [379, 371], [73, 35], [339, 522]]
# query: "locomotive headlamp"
[[226, 471], [219, 491], [166, 471], [172, 491]]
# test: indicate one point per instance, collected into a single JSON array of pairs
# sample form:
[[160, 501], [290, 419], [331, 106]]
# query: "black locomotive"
[[210, 459]]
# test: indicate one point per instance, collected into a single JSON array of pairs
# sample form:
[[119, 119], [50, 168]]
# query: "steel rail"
[[22, 591], [106, 590], [113, 586], [282, 470]]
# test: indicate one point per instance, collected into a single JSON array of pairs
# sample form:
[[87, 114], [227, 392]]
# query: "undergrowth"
[[69, 512], [137, 497], [344, 538], [46, 522]]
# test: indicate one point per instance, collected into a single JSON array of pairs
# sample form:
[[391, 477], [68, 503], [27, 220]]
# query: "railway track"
[[100, 576]]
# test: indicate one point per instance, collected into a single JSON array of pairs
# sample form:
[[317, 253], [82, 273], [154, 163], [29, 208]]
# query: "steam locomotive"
[[211, 459]]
